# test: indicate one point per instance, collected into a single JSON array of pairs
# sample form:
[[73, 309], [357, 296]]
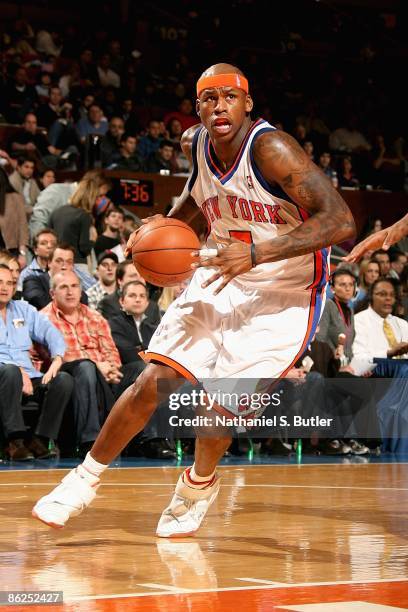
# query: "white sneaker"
[[76, 491], [187, 509]]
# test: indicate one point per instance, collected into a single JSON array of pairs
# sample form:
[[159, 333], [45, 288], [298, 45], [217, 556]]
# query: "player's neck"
[[227, 151]]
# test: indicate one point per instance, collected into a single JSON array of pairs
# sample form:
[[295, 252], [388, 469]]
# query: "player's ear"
[[198, 107], [249, 104]]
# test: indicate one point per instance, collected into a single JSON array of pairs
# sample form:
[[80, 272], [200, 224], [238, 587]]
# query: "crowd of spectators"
[[88, 99], [81, 312]]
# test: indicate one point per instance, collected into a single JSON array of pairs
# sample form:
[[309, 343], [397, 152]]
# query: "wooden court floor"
[[308, 538]]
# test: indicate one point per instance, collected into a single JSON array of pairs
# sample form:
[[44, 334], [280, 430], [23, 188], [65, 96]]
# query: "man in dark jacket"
[[132, 328]]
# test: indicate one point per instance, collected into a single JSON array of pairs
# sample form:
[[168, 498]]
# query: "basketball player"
[[380, 240], [250, 310]]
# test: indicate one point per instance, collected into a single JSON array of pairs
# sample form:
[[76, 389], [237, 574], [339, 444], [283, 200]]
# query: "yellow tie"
[[389, 334]]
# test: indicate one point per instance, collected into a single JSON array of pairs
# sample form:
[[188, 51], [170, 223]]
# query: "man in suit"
[[36, 289], [131, 327], [110, 304]]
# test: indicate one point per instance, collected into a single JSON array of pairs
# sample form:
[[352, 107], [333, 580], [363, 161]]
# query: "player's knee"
[[146, 387]]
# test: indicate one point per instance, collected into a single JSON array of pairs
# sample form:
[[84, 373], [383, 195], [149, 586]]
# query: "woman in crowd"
[[369, 272], [73, 222], [347, 178]]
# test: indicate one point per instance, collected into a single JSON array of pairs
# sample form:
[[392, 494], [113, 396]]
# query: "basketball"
[[162, 251]]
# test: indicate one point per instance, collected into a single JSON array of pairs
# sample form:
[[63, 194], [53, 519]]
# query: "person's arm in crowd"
[[44, 332], [11, 163]]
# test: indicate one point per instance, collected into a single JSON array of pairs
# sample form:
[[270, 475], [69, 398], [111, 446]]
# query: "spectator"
[[387, 164], [87, 68], [92, 185], [127, 159], [183, 114], [169, 294], [106, 285], [110, 143], [46, 178], [119, 249], [132, 125], [309, 148], [70, 81], [398, 261], [300, 133], [36, 288], [369, 272], [131, 327], [107, 76], [94, 124], [383, 259], [44, 244], [12, 264], [43, 87], [149, 143], [349, 139], [337, 317], [110, 305], [23, 182], [325, 165], [37, 145], [378, 332], [51, 110], [19, 97], [13, 220], [72, 224], [20, 380], [48, 43], [113, 223], [347, 177], [161, 159], [91, 357]]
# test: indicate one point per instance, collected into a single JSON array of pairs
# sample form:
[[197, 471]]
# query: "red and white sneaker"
[[76, 491], [187, 508]]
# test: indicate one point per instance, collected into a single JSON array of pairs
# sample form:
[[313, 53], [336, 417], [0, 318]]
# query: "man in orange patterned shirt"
[[91, 357]]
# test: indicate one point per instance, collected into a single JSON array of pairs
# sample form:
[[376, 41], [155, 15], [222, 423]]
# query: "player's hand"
[[132, 237], [380, 240], [231, 260]]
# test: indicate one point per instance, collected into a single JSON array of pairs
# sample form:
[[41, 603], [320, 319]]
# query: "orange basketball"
[[162, 251]]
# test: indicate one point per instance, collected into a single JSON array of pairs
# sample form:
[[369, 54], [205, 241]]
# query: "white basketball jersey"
[[240, 203]]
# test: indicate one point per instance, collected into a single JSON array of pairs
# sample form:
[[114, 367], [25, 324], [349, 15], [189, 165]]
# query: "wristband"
[[253, 255]]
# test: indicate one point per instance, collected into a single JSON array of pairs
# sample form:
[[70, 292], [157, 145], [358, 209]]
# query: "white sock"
[[93, 466], [199, 481]]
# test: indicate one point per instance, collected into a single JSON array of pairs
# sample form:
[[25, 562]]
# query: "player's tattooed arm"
[[184, 208], [280, 159]]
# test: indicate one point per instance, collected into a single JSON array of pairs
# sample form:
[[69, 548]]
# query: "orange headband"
[[222, 80]]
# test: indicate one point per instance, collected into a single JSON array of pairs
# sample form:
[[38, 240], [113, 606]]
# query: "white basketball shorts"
[[243, 332]]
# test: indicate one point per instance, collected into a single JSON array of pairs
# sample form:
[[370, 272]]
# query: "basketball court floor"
[[323, 535]]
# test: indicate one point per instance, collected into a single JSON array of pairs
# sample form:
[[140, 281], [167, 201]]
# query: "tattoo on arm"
[[282, 160]]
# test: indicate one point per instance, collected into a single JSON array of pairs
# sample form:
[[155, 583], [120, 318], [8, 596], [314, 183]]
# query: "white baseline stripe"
[[222, 589], [261, 581]]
